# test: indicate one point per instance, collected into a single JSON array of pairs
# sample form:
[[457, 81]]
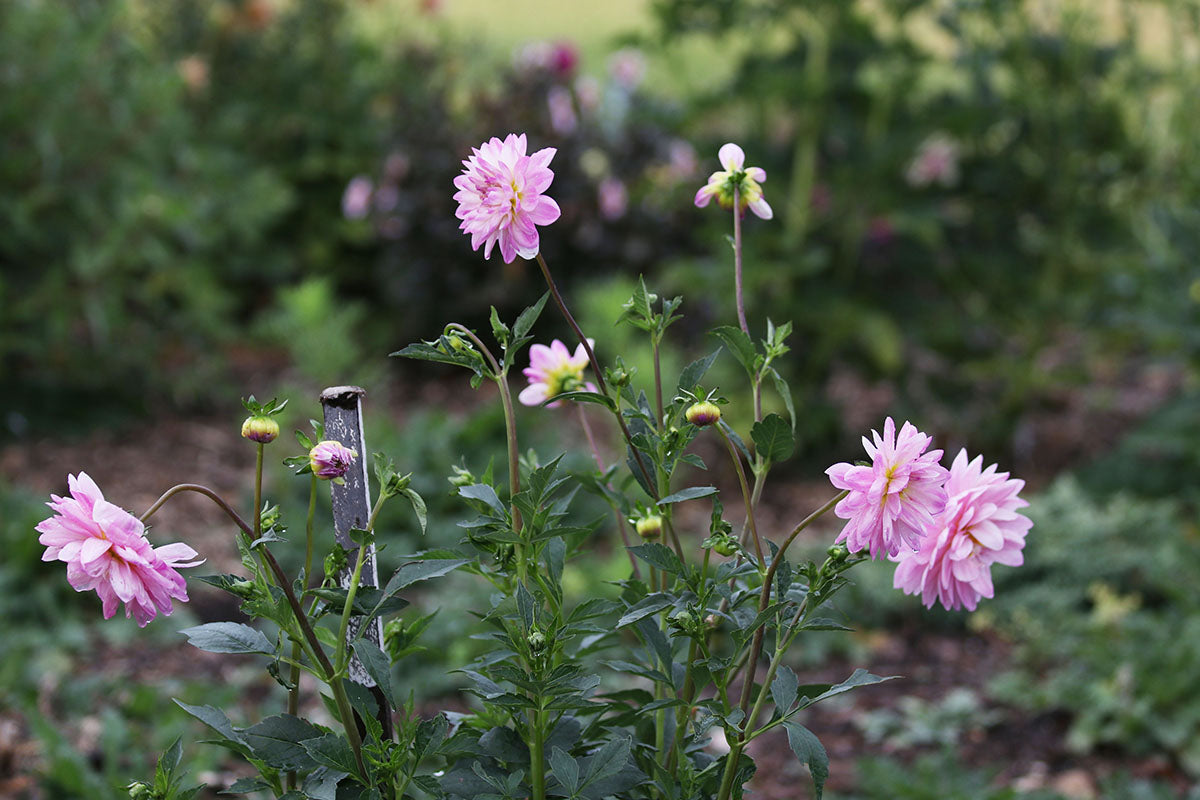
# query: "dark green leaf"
[[377, 665], [644, 608], [416, 571], [690, 493], [214, 718], [277, 741], [247, 785], [583, 397], [566, 769], [811, 752], [321, 784], [773, 437], [785, 392], [735, 438], [228, 637], [860, 678], [660, 556], [418, 505], [739, 344], [333, 751], [608, 761], [528, 317], [695, 371], [484, 493], [525, 606], [783, 689]]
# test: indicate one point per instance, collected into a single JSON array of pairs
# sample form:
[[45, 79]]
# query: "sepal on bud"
[[261, 426]]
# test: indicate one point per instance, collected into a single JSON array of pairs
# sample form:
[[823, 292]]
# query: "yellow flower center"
[[565, 378]]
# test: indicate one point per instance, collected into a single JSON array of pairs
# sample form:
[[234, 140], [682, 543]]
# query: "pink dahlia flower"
[[500, 198], [330, 459], [894, 500], [736, 174], [553, 370], [105, 548], [979, 527]]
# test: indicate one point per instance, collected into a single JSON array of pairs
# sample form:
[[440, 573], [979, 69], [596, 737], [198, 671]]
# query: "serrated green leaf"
[[739, 344], [785, 392], [644, 608], [418, 504], [528, 317], [485, 494], [332, 751], [811, 752], [694, 372], [690, 493], [377, 665], [582, 397], [228, 637], [773, 438], [566, 769], [660, 556], [277, 741], [783, 689]]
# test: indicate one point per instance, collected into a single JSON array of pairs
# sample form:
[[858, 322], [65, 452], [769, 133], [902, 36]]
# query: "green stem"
[[316, 650], [510, 432], [658, 391], [737, 261], [258, 473], [537, 761], [294, 689], [746, 497]]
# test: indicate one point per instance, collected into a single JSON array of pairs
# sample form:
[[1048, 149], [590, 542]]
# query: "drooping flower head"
[[500, 198], [331, 459], [105, 549], [553, 370], [893, 501], [736, 175], [979, 527]]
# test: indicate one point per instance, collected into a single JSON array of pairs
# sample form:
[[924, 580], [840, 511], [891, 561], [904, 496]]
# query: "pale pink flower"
[[894, 500], [105, 549], [936, 161], [356, 200], [553, 370], [500, 197], [979, 527], [331, 459], [736, 175], [612, 198], [562, 110]]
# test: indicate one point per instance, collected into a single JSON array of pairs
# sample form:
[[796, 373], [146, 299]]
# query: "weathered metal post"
[[352, 509]]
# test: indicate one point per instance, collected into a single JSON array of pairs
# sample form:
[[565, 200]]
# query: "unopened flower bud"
[[620, 377], [537, 642], [261, 429], [838, 552], [335, 562], [725, 545], [331, 460], [244, 589], [140, 790], [649, 527], [461, 477], [703, 414]]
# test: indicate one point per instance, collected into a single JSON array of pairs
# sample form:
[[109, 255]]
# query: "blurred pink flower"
[[894, 500], [736, 174], [681, 158], [500, 197], [564, 57], [613, 198], [562, 110], [553, 370], [105, 549], [627, 67], [936, 161], [587, 93], [356, 200], [979, 527], [331, 459]]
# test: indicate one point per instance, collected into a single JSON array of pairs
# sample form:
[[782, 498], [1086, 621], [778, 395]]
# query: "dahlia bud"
[[261, 429], [725, 544], [140, 790], [537, 642], [649, 527], [331, 460], [703, 414]]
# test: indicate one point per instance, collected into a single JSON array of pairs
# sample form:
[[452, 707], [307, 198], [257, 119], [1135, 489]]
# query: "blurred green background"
[[987, 218]]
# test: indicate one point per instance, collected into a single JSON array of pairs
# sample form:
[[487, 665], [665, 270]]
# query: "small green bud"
[[725, 544], [462, 477], [247, 590], [649, 527], [260, 428], [536, 641], [335, 562], [140, 790], [838, 552], [703, 414]]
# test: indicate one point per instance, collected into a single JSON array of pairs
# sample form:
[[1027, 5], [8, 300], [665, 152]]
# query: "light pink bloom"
[[979, 527], [500, 197], [612, 198], [936, 161], [331, 459], [105, 549], [356, 200], [562, 110], [553, 370], [736, 174], [894, 500]]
